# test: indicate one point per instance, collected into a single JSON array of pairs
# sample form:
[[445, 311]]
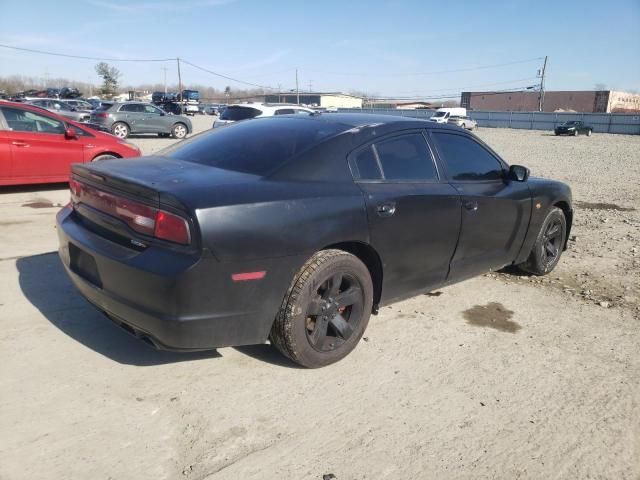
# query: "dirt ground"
[[502, 376]]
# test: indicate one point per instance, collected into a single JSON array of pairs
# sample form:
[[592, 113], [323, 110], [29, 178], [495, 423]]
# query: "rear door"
[[133, 115], [495, 211], [39, 148], [414, 217]]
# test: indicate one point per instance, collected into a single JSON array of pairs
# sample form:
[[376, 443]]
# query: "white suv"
[[243, 111]]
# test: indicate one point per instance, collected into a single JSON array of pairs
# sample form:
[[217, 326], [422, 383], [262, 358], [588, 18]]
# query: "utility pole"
[[179, 79], [541, 94], [165, 79], [310, 86], [297, 89]]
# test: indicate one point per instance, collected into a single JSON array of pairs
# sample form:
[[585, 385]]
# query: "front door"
[[495, 211], [153, 120], [39, 148], [414, 217]]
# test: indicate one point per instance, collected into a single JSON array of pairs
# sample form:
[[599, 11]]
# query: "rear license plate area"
[[84, 265]]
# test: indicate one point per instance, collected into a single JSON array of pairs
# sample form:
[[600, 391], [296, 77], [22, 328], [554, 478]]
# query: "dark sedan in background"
[[297, 228], [574, 128]]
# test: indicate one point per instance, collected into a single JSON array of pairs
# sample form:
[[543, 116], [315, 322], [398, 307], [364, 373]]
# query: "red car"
[[37, 146]]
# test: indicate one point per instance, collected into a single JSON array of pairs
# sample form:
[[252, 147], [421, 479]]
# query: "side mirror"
[[70, 134], [518, 173]]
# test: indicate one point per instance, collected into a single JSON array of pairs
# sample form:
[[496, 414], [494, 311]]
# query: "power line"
[[81, 57], [439, 72], [266, 87]]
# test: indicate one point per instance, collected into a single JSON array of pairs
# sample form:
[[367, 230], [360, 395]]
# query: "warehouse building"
[[317, 99], [586, 101]]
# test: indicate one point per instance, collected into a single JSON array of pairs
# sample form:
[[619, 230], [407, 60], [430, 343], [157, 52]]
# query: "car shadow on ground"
[[268, 354], [37, 188], [45, 284]]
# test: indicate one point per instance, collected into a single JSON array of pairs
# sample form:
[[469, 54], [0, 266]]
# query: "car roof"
[[269, 107], [359, 120]]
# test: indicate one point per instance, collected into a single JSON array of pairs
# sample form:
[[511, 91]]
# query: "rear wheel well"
[[367, 254], [106, 153], [568, 215]]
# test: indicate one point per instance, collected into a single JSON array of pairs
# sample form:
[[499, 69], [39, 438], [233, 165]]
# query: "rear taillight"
[[103, 115], [139, 217], [172, 228]]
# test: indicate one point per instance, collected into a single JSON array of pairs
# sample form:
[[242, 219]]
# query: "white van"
[[443, 114]]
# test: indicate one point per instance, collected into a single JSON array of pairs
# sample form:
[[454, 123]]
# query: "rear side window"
[[257, 148], [366, 165], [284, 111], [406, 157], [236, 113], [466, 159]]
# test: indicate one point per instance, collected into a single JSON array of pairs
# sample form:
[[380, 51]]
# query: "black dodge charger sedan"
[[296, 229], [574, 128]]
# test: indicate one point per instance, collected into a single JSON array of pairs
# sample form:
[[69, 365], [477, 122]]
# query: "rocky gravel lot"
[[501, 376]]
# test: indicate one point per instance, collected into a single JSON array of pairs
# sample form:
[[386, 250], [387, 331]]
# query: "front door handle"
[[386, 209], [470, 205], [20, 143]]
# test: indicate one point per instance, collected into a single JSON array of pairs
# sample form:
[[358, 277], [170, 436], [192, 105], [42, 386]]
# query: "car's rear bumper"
[[176, 301]]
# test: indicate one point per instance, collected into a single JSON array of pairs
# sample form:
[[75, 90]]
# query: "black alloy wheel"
[[326, 310], [334, 312], [552, 242], [549, 244]]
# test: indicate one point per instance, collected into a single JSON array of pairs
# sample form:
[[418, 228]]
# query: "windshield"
[[258, 147], [236, 113], [440, 114], [570, 124], [191, 94]]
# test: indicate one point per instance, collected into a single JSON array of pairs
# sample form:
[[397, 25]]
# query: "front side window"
[[466, 159], [27, 121], [406, 157]]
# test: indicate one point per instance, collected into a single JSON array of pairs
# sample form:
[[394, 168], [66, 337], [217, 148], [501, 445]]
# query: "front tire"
[[120, 129], [549, 244], [179, 131], [326, 310], [575, 132], [105, 156], [588, 133]]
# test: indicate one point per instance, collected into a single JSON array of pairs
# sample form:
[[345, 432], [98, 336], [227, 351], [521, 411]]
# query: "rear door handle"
[[470, 205], [19, 143], [386, 209]]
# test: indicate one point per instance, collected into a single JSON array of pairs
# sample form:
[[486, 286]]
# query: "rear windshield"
[[239, 113], [257, 147]]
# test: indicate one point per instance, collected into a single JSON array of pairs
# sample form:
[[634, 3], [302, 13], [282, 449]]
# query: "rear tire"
[[179, 131], [326, 310], [549, 244], [120, 130], [588, 133]]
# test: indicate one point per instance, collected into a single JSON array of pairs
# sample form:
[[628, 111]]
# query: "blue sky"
[[393, 47]]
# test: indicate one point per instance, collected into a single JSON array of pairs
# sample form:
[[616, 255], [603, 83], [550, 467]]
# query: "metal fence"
[[628, 124]]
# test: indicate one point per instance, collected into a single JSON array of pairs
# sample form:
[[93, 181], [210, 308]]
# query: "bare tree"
[[110, 77]]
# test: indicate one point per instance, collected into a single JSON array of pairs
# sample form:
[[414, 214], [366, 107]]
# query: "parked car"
[[463, 122], [297, 228], [124, 118], [61, 108], [244, 111], [97, 103], [37, 146], [80, 105], [574, 127]]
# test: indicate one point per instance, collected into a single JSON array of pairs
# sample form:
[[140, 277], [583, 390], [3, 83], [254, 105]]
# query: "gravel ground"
[[501, 376]]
